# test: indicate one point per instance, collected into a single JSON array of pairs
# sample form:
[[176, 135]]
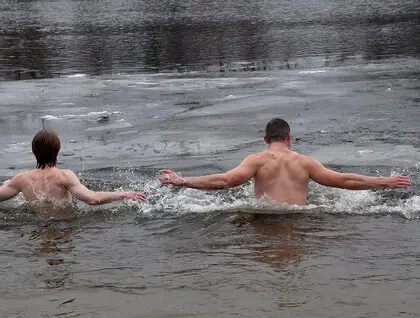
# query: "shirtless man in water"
[[48, 184], [281, 174]]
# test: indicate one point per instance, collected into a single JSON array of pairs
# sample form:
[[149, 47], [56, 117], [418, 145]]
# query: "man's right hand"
[[399, 181], [135, 196]]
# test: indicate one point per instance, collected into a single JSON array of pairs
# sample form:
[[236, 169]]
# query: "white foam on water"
[[365, 151], [77, 75], [367, 202], [50, 117], [173, 200], [83, 116], [346, 201], [169, 200], [116, 125], [312, 72], [409, 208], [146, 83], [100, 113]]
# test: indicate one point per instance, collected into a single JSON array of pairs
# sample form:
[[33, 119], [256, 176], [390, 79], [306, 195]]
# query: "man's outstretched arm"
[[353, 181], [235, 177], [82, 193], [9, 189]]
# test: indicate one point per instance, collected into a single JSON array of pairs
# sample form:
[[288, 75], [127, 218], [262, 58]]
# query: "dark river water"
[[132, 87]]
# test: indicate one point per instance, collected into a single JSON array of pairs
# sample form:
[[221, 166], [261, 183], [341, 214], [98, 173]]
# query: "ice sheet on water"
[[85, 116]]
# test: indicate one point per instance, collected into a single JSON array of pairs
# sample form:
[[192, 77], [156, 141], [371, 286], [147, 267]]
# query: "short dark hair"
[[45, 147], [277, 130]]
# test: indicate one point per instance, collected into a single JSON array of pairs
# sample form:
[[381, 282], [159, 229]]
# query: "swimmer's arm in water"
[[353, 181], [82, 193], [235, 177], [9, 188]]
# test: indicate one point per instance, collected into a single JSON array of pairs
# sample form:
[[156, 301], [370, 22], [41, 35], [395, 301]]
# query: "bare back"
[[282, 176], [47, 191], [51, 190], [44, 184]]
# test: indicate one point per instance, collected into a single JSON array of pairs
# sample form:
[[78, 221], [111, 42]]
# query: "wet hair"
[[277, 130], [45, 147]]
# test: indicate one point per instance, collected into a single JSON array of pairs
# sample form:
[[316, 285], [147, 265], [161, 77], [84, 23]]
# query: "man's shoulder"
[[66, 174], [258, 157], [306, 160], [65, 171], [66, 177], [23, 175], [21, 178]]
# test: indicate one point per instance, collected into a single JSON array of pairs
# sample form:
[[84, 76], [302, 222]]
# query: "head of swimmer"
[[277, 130], [45, 146]]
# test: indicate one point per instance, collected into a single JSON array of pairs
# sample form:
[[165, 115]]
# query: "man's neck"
[[279, 146], [46, 168]]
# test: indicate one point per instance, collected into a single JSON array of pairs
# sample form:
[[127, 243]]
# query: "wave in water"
[[171, 201]]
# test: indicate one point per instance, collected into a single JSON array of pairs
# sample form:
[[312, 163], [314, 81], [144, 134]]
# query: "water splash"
[[402, 202], [165, 200]]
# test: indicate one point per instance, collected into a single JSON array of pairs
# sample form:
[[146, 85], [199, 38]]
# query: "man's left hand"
[[170, 177]]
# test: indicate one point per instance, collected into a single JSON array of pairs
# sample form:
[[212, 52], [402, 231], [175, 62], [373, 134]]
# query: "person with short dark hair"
[[45, 147], [48, 183], [277, 130], [282, 174]]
